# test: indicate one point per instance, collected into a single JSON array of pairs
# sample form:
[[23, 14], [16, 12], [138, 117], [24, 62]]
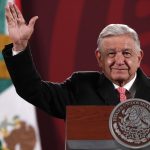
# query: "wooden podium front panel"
[[88, 122]]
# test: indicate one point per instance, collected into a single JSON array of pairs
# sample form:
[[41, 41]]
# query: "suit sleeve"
[[48, 96]]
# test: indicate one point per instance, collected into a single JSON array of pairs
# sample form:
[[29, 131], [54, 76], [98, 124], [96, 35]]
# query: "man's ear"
[[140, 57], [98, 56]]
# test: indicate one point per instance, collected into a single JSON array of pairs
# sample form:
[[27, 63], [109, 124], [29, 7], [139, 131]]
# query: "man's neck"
[[127, 85]]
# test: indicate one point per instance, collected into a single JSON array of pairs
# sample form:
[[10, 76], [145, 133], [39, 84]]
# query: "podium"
[[87, 128]]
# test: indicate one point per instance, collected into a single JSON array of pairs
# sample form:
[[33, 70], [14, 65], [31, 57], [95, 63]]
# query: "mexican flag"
[[18, 124]]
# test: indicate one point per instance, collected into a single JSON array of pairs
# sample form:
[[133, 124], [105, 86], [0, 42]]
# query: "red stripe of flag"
[[18, 3]]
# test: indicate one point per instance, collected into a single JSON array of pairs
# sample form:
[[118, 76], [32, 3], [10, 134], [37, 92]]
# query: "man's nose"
[[119, 59]]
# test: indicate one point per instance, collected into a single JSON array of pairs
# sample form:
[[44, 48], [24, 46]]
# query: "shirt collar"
[[128, 85]]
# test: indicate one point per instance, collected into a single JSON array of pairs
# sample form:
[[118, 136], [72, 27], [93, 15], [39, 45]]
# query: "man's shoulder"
[[87, 76], [144, 77], [82, 79]]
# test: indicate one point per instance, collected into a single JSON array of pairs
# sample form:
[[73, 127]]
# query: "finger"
[[8, 14], [32, 21], [19, 14], [8, 19], [13, 11]]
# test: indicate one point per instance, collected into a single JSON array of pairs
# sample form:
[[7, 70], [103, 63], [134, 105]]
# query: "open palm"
[[19, 31]]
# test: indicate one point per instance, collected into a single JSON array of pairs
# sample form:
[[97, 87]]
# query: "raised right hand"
[[19, 31]]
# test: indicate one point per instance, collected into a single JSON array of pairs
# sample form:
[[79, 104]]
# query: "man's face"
[[119, 58]]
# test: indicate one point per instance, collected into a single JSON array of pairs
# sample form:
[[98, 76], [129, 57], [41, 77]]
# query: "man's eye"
[[111, 54], [127, 54]]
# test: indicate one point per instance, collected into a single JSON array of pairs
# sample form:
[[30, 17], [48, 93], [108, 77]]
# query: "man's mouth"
[[119, 69]]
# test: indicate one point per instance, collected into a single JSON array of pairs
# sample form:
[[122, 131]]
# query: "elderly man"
[[118, 54]]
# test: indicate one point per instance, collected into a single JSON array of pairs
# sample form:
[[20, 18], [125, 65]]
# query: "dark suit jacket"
[[82, 88]]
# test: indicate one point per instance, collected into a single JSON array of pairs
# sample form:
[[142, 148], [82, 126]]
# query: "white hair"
[[116, 30]]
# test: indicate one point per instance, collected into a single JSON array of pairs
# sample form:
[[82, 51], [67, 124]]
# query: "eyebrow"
[[124, 49]]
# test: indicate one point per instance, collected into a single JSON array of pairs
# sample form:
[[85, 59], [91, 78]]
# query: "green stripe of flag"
[[4, 84], [2, 16], [1, 57]]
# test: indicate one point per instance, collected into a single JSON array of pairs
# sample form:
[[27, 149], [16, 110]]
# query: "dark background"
[[65, 39]]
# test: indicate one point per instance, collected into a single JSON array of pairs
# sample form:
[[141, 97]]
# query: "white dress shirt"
[[128, 85]]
